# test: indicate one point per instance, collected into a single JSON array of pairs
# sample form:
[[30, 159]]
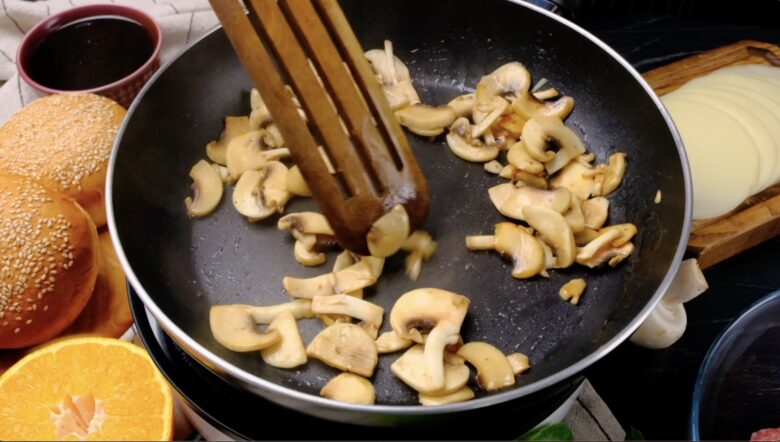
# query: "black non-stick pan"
[[182, 266]]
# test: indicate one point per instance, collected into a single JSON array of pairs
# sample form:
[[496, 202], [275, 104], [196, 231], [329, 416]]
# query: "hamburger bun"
[[48, 261], [107, 313], [64, 141]]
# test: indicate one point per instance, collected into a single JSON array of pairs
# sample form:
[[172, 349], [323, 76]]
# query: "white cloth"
[[181, 21]]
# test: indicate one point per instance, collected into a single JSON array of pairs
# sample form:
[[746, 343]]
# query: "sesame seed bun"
[[64, 141], [48, 261], [107, 313]]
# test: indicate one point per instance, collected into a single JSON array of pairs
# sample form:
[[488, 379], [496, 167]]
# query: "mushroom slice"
[[540, 132], [521, 176], [516, 243], [388, 233], [519, 363], [510, 200], [574, 215], [392, 72], [461, 144], [370, 314], [519, 157], [245, 152], [306, 257], [396, 98], [572, 290], [355, 277], [546, 94], [499, 106], [463, 105], [235, 329], [439, 311], [421, 247], [346, 347], [411, 369], [273, 137], [261, 193], [234, 126], [510, 79], [260, 115], [555, 231], [627, 231], [289, 352], [595, 211], [611, 255], [305, 223], [423, 120], [585, 237], [350, 388], [529, 106], [615, 172], [207, 188], [575, 177], [300, 309], [493, 369], [390, 342], [493, 167], [296, 184], [604, 240], [462, 395], [223, 173]]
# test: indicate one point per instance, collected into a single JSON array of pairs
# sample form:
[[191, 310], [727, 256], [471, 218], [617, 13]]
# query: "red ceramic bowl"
[[124, 90]]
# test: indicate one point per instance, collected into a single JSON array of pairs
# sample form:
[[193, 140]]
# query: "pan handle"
[[565, 8]]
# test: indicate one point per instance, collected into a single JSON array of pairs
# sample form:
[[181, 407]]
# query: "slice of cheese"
[[762, 127], [723, 160], [762, 91]]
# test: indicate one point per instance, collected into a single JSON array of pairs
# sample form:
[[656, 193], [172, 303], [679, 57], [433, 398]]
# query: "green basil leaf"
[[557, 431]]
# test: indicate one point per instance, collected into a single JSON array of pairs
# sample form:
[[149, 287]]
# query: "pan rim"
[[258, 384]]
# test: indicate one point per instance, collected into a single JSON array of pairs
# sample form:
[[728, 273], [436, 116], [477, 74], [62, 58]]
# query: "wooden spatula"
[[352, 152]]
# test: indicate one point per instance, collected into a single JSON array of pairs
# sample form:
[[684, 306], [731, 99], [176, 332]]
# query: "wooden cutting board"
[[758, 218]]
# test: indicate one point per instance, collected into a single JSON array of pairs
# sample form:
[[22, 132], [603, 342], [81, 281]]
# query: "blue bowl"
[[737, 391]]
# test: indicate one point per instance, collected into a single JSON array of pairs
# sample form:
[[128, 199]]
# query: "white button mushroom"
[[346, 347], [540, 132], [370, 314], [261, 193], [234, 126], [350, 388], [555, 231], [355, 277], [411, 369], [462, 395], [493, 369], [388, 233], [466, 147], [516, 243], [391, 342], [667, 322], [426, 120], [235, 329], [289, 352], [207, 189], [510, 200]]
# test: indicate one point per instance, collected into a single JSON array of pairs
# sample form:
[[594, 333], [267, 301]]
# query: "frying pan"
[[181, 266]]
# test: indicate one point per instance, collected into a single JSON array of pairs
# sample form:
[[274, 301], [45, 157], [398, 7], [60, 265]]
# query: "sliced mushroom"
[[574, 176], [305, 223], [603, 240], [411, 369], [396, 99], [350, 388], [463, 105], [509, 79], [546, 94], [611, 255], [355, 277], [572, 290], [370, 314], [555, 231], [574, 215], [296, 184], [585, 237], [207, 189], [493, 167], [260, 115], [388, 233], [273, 137], [595, 211], [262, 193], [413, 266], [245, 152], [223, 173], [438, 311], [499, 106], [615, 172], [425, 120], [467, 148], [519, 363], [493, 369], [516, 243], [462, 395], [289, 352], [540, 132], [306, 257], [392, 72], [510, 125], [421, 247], [235, 329], [519, 157], [234, 126], [549, 259], [529, 106], [300, 309], [346, 347], [521, 176], [390, 342], [626, 230], [510, 200]]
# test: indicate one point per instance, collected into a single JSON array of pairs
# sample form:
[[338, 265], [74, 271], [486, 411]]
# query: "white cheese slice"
[[762, 91], [723, 161], [756, 121]]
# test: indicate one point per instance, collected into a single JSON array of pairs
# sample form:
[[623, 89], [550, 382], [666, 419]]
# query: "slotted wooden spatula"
[[352, 152]]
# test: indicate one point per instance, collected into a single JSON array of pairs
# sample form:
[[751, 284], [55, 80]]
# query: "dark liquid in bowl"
[[90, 53]]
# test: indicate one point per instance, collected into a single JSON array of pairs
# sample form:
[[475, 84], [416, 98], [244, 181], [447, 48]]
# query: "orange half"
[[86, 389]]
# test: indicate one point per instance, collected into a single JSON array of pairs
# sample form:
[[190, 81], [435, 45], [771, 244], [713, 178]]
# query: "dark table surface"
[[651, 390]]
